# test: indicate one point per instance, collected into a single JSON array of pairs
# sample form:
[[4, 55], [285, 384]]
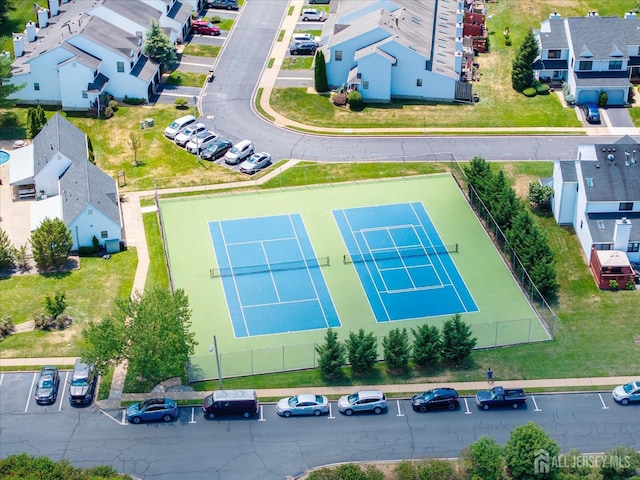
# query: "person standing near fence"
[[490, 375]]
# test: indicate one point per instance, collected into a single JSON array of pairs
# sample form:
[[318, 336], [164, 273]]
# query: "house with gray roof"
[[397, 49], [592, 54], [55, 171], [598, 194]]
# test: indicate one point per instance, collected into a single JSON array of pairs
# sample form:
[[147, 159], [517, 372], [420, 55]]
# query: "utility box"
[[149, 122], [112, 246]]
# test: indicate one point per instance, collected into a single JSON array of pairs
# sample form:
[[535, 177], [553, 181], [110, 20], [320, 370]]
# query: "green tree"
[[457, 342], [36, 120], [51, 243], [7, 88], [397, 350], [25, 466], [522, 67], [623, 463], [7, 250], [103, 343], [426, 345], [480, 176], [575, 468], [331, 356], [362, 351], [320, 72], [529, 447], [484, 460], [55, 306], [91, 154], [539, 195], [21, 257], [436, 469], [135, 143], [158, 48]]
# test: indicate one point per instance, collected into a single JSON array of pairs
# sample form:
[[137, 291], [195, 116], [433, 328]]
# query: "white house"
[[591, 54], [599, 195], [397, 49], [56, 171]]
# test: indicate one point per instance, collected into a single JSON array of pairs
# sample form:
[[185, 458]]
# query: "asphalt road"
[[268, 447]]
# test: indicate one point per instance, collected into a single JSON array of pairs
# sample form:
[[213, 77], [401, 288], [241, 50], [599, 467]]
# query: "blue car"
[[152, 409], [591, 112]]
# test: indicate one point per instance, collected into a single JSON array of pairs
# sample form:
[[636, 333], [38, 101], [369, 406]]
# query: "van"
[[178, 124], [228, 4], [230, 402], [83, 383], [239, 152]]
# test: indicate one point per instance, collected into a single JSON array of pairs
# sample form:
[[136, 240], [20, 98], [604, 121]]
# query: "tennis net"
[[270, 267], [400, 253]]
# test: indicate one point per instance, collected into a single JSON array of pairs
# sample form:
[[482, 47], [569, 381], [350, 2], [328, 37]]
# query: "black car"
[[216, 149], [303, 48], [47, 386], [436, 399]]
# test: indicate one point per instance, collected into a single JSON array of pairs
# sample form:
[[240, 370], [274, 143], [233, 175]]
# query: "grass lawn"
[[201, 50], [297, 63], [186, 79]]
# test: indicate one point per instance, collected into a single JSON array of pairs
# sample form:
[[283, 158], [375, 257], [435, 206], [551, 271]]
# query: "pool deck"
[[13, 215]]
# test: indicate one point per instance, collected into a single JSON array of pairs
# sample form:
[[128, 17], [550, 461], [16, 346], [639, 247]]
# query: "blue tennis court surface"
[[403, 266], [272, 280]]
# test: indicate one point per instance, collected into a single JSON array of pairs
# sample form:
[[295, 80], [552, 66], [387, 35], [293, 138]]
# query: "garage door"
[[615, 97], [587, 96]]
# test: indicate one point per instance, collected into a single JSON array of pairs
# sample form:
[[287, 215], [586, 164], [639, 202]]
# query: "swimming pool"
[[4, 157]]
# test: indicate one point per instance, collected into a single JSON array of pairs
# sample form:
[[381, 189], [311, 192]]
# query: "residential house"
[[599, 195], [591, 54], [55, 170], [397, 49]]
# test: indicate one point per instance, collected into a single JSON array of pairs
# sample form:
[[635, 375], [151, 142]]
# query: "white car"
[[629, 392], [255, 162], [185, 135], [305, 404], [305, 37], [239, 152], [313, 15], [200, 141]]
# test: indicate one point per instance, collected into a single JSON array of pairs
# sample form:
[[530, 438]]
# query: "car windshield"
[[629, 387], [254, 160], [293, 401], [174, 125], [79, 382], [428, 396], [46, 383], [353, 398]]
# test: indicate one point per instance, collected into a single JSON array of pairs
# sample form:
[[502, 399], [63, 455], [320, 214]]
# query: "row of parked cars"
[[82, 385], [196, 138]]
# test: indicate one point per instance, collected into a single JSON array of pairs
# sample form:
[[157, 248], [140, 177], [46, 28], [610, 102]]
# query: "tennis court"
[[272, 279], [404, 267]]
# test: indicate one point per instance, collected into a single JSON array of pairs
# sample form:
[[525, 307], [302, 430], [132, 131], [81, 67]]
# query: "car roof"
[[370, 393], [307, 397]]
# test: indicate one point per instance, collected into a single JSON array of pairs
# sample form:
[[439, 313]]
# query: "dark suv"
[[436, 399], [591, 112], [303, 48], [83, 383]]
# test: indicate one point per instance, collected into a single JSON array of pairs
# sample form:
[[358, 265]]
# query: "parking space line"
[[33, 382], [330, 417], [1, 378], [466, 406], [64, 389], [193, 415], [535, 404], [261, 415], [124, 416], [112, 418], [604, 406], [400, 414]]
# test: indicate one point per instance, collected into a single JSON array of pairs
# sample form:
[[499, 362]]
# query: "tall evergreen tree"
[[51, 243], [332, 355], [36, 120], [426, 345], [397, 350], [457, 340], [158, 48], [480, 176], [320, 72], [362, 351], [6, 251], [522, 67], [7, 88]]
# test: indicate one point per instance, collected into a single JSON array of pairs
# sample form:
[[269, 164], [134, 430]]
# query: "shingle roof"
[[58, 135], [552, 34], [603, 36]]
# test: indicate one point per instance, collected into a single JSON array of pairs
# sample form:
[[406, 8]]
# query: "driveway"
[[617, 117]]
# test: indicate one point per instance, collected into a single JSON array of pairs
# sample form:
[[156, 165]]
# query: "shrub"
[[96, 244], [570, 99], [339, 99], [603, 98], [630, 285], [542, 88], [55, 306], [406, 470], [507, 41], [114, 105], [108, 112], [134, 100], [86, 251], [613, 285], [6, 326], [215, 19], [530, 92], [355, 100], [181, 102], [41, 321]]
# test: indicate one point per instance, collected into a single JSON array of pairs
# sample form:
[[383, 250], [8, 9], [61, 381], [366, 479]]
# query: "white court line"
[[466, 406], [535, 404], [64, 388], [400, 414], [193, 415], [33, 382], [262, 419], [330, 417], [604, 406]]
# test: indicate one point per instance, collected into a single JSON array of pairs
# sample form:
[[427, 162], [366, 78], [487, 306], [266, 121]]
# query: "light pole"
[[214, 347]]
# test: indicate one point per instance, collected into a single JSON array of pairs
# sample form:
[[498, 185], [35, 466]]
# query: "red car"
[[205, 28]]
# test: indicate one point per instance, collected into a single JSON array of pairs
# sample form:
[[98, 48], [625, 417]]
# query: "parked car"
[[629, 392], [436, 399], [185, 135], [500, 397], [231, 402], [305, 37], [591, 112], [306, 404], [47, 386], [152, 409], [228, 4], [200, 141], [239, 152], [215, 150], [363, 401], [319, 1], [205, 28], [303, 48], [313, 15], [83, 382], [178, 124], [255, 162]]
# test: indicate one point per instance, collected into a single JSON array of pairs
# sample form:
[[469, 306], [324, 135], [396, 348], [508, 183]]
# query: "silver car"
[[307, 404], [363, 401], [186, 134], [629, 392], [200, 141], [255, 162]]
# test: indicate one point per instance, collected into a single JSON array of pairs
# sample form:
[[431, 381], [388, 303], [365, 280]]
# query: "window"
[[603, 246], [36, 86], [84, 94], [589, 182], [600, 224], [626, 206], [337, 56], [633, 247], [365, 85], [554, 54], [104, 234], [585, 65], [120, 67], [419, 82], [615, 64]]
